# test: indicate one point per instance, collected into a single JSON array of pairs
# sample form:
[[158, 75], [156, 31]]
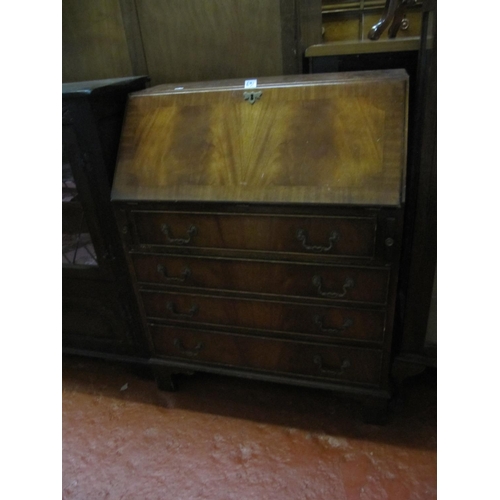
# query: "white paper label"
[[250, 84]]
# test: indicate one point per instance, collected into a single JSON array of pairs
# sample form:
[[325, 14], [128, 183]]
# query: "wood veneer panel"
[[93, 41], [328, 139], [319, 321], [337, 283], [350, 364], [186, 40], [353, 236]]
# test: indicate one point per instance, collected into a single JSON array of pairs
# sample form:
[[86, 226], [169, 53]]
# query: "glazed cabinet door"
[[84, 253]]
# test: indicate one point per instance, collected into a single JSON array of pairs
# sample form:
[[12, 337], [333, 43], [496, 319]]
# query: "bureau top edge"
[[161, 202], [275, 82]]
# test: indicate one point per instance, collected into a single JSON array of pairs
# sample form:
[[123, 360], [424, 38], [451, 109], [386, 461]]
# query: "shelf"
[[363, 47]]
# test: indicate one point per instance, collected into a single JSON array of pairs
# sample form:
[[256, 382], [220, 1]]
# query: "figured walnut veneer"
[[333, 139]]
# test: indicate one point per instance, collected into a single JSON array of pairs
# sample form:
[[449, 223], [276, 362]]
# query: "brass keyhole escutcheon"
[[251, 97]]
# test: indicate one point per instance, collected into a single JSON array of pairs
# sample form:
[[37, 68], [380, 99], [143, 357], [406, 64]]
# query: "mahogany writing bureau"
[[263, 226]]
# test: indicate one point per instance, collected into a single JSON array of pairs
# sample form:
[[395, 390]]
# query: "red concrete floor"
[[221, 438]]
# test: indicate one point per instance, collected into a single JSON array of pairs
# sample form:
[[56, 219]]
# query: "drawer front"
[[270, 355], [324, 322], [354, 284], [339, 236]]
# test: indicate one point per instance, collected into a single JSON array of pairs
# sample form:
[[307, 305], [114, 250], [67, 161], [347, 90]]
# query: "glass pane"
[[69, 192], [77, 247]]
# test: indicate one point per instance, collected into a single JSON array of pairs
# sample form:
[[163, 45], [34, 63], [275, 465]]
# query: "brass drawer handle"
[[318, 320], [189, 352], [192, 231], [183, 277], [348, 283], [188, 315], [346, 364], [302, 237]]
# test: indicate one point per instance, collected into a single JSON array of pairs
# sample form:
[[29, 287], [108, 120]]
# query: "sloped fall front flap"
[[333, 138]]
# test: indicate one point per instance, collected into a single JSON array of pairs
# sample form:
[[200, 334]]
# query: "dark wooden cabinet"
[[99, 311], [414, 354], [263, 227]]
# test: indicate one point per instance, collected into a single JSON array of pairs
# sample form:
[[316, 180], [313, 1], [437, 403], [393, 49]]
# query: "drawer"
[[325, 322], [270, 355], [354, 284], [339, 236]]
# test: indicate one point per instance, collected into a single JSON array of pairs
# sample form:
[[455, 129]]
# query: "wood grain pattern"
[[370, 285], [320, 361], [300, 27], [363, 47], [261, 316], [338, 141], [133, 35], [186, 40], [93, 41], [341, 27], [352, 236], [310, 23]]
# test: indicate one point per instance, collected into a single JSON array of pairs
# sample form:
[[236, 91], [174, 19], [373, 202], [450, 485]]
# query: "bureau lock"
[[389, 242], [251, 97]]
